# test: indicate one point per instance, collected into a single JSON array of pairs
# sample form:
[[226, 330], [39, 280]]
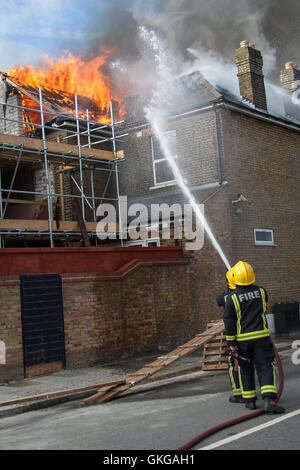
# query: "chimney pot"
[[289, 76], [249, 63]]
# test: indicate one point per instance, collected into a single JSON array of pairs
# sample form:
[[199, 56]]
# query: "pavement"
[[185, 369]]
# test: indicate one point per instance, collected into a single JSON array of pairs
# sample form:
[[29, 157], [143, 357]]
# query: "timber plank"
[[159, 364], [105, 391], [59, 393], [32, 146], [37, 225]]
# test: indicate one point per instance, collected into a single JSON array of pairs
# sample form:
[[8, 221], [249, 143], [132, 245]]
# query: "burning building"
[[57, 148], [240, 157]]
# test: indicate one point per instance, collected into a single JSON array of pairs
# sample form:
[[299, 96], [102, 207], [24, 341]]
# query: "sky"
[[31, 28]]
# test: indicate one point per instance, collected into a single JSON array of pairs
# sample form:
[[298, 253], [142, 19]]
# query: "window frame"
[[141, 242], [261, 242], [160, 160]]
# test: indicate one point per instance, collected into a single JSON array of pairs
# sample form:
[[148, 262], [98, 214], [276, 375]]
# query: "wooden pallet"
[[105, 394], [214, 352]]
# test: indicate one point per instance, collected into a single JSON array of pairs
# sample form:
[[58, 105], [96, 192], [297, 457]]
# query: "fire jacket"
[[221, 298], [244, 314]]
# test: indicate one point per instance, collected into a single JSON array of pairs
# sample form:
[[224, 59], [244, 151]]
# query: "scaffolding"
[[86, 154]]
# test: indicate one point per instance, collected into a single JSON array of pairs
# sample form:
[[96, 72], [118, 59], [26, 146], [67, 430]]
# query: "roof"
[[54, 101], [193, 92], [279, 103], [169, 197], [189, 91]]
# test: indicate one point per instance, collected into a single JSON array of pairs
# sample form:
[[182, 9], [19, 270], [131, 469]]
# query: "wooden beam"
[[25, 201], [104, 394], [37, 225], [59, 393], [24, 91], [81, 222], [32, 146]]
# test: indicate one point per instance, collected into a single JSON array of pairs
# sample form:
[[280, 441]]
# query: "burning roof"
[[60, 80], [58, 101]]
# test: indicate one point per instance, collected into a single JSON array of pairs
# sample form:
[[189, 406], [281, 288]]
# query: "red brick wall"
[[155, 308], [11, 332]]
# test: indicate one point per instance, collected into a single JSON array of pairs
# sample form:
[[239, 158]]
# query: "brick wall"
[[262, 163], [197, 155], [8, 112], [154, 309], [11, 332], [259, 160]]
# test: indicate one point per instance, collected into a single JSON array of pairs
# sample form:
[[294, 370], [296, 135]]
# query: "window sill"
[[265, 245], [163, 185]]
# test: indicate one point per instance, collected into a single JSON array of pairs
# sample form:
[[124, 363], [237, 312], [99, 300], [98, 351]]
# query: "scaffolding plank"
[[150, 369], [34, 148], [41, 225], [24, 201]]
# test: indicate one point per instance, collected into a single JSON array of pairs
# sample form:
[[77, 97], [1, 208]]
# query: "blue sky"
[[29, 28]]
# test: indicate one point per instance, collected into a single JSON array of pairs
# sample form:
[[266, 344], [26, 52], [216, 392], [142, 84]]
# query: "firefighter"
[[233, 371], [246, 327]]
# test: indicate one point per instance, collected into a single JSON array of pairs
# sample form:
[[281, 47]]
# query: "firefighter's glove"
[[232, 351]]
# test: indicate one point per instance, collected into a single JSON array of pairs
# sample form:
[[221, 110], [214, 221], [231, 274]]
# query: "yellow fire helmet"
[[243, 274], [230, 279]]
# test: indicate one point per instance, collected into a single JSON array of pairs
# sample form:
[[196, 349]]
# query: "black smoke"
[[217, 26]]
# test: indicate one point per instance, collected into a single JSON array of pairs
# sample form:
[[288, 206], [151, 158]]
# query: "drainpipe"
[[219, 145]]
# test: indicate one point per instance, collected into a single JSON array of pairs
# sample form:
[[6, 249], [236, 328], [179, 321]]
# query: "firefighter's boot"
[[270, 407], [236, 399], [251, 404]]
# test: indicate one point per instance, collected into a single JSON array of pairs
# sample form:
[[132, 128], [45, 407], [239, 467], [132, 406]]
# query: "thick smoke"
[[219, 26], [210, 30]]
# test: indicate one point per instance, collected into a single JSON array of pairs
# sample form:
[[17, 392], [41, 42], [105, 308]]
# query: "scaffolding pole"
[[80, 161], [92, 169], [116, 171], [12, 182], [49, 199]]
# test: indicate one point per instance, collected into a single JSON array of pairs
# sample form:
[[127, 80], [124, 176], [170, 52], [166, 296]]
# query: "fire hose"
[[234, 421]]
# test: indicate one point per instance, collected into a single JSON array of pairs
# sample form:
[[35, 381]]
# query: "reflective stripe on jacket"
[[245, 314]]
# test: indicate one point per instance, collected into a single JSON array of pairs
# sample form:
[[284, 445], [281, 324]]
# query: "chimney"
[[249, 63], [289, 76]]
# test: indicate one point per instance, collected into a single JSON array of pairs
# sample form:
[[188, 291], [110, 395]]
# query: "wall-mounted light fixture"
[[240, 198]]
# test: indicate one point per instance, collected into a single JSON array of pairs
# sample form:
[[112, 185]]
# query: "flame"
[[67, 76]]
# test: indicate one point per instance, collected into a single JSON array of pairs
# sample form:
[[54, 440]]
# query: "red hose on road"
[[234, 421]]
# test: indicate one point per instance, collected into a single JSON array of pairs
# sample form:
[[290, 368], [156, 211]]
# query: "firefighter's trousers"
[[234, 377], [260, 356]]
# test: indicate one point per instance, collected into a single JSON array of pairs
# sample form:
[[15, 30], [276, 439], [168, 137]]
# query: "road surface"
[[158, 420]]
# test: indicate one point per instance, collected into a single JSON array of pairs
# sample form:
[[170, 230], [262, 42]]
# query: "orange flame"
[[71, 75]]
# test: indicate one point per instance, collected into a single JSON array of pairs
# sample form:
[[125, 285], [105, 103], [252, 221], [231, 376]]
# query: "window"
[[148, 242], [263, 236], [161, 168]]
